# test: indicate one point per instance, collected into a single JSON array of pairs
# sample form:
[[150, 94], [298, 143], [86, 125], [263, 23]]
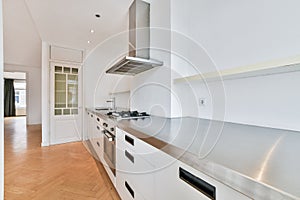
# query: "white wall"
[[151, 90], [1, 110], [15, 75], [22, 52], [33, 90], [232, 34], [45, 95], [209, 36], [98, 84], [238, 33]]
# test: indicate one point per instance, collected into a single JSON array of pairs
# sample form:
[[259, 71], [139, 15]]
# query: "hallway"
[[49, 173]]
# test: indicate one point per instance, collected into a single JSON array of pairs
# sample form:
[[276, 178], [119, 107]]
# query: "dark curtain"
[[9, 98]]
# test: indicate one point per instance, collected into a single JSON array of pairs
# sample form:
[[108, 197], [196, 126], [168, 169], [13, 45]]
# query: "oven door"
[[109, 150]]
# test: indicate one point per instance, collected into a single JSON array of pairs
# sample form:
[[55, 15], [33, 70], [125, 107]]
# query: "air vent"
[[138, 60]]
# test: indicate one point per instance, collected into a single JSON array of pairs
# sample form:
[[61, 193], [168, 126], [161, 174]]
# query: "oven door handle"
[[108, 135]]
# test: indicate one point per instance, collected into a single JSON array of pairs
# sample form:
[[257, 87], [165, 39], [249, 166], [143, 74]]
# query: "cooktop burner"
[[128, 114]]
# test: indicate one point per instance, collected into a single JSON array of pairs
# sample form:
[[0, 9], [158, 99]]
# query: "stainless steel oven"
[[109, 146]]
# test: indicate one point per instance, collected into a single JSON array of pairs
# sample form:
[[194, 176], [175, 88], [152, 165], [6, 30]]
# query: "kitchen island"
[[256, 161]]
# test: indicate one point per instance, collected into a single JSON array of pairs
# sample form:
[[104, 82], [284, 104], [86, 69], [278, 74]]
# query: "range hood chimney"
[[138, 59]]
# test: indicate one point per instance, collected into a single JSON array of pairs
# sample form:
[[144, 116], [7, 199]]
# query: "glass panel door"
[[65, 91]]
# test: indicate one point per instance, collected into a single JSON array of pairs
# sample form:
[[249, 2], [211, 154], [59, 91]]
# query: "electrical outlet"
[[202, 101]]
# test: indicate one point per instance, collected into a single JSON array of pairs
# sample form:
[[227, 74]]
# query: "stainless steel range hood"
[[138, 59]]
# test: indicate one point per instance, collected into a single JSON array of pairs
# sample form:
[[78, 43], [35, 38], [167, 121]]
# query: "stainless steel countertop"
[[259, 162]]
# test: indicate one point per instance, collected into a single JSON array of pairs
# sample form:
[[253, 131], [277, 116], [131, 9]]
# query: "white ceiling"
[[61, 22], [22, 43], [68, 22]]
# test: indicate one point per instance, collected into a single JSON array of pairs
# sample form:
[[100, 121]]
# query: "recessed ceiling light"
[[92, 31], [88, 41], [97, 15]]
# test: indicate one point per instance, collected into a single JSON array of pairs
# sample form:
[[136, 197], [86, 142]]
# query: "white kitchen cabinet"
[[90, 124], [86, 125], [169, 185], [93, 135], [153, 174], [97, 138], [133, 169], [126, 189]]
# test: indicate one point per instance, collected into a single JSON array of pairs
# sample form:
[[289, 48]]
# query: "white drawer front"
[[126, 188], [137, 170]]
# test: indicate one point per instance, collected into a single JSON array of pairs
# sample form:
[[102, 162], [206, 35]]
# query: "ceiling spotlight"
[[92, 31], [97, 15], [88, 41]]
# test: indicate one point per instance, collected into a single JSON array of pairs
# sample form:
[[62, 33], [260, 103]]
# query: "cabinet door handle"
[[199, 184], [129, 140], [98, 119], [129, 156], [98, 144], [98, 127], [109, 136], [130, 190]]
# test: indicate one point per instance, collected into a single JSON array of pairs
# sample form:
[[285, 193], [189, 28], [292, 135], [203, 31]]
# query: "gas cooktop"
[[128, 115]]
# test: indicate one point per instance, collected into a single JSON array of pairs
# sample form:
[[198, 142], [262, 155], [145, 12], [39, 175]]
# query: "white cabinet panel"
[[154, 174], [133, 168], [97, 140], [137, 170], [90, 125], [222, 192], [126, 189]]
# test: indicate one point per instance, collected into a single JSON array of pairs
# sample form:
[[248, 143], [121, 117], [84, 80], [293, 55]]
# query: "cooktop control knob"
[[112, 129]]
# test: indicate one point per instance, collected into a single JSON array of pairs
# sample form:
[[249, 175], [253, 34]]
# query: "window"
[[20, 96], [65, 90]]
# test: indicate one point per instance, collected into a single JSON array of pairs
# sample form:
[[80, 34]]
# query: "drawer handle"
[[129, 140], [129, 156], [199, 184], [98, 119], [98, 144], [92, 115], [130, 190]]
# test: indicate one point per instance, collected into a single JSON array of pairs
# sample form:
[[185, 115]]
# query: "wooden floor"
[[58, 172]]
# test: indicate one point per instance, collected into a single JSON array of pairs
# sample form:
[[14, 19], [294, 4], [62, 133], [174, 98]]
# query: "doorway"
[[65, 103], [14, 94]]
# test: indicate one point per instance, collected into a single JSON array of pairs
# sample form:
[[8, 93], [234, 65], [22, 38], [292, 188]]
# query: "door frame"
[[79, 120]]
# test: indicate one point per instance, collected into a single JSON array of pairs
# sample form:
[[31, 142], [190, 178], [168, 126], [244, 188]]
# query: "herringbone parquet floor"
[[60, 172]]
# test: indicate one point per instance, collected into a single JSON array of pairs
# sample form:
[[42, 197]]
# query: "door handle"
[[129, 140], [130, 190], [129, 156], [197, 183], [108, 136]]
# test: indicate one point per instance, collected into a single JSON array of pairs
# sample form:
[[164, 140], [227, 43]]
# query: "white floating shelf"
[[262, 69], [119, 92]]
